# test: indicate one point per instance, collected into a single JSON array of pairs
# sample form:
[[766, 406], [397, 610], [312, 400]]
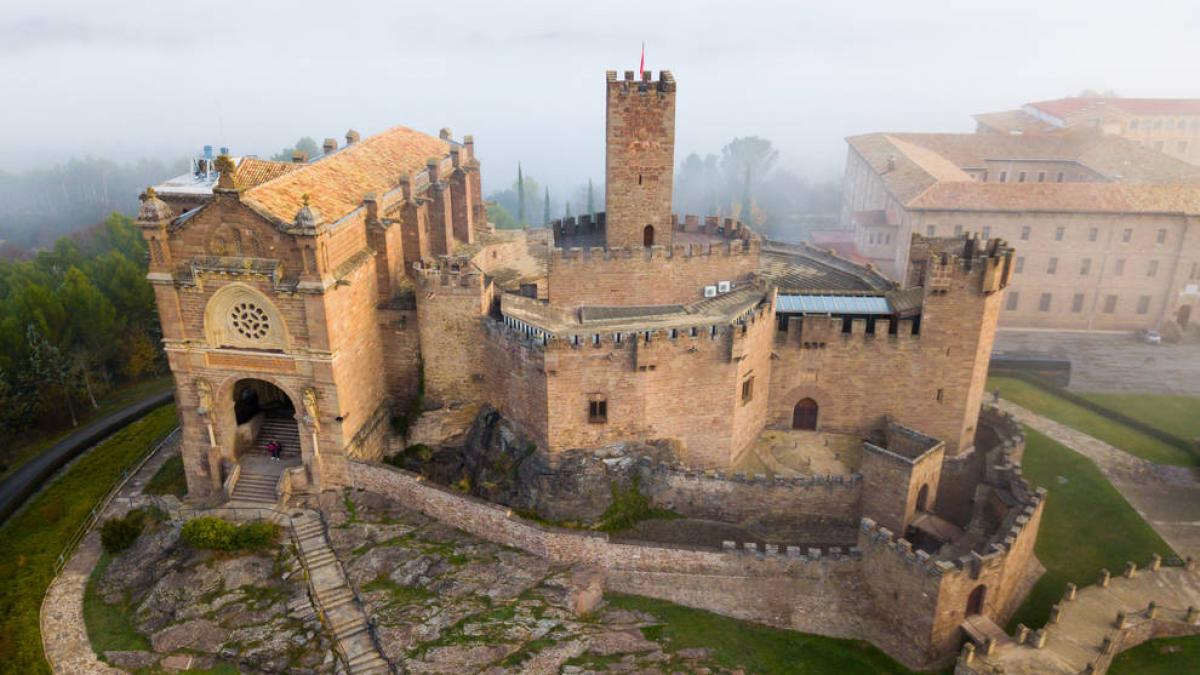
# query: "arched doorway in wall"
[[1184, 316], [975, 600], [923, 497], [263, 413], [804, 415], [648, 236]]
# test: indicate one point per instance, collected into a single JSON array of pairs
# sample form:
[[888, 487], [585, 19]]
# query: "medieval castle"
[[313, 302]]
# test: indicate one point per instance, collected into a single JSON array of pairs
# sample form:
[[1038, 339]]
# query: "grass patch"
[[1166, 656], [169, 479], [15, 452], [755, 648], [34, 537], [398, 594], [207, 532], [1112, 432], [526, 652], [109, 627], [1086, 525]]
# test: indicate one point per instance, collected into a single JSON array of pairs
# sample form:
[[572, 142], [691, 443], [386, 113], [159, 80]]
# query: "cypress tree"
[[591, 206], [520, 197], [546, 209], [744, 216], [567, 210]]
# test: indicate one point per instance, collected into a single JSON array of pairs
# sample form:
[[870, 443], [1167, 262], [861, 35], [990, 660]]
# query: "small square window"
[[1041, 176], [1025, 233], [1021, 177], [1059, 232], [1077, 303], [1011, 302], [941, 395], [929, 230], [598, 411], [1127, 235], [958, 230], [1119, 267], [1052, 266], [1110, 304], [1143, 305], [1003, 176], [748, 389], [1020, 267], [1093, 234], [1152, 268], [1044, 303], [1161, 237], [1085, 267], [1060, 176], [987, 232]]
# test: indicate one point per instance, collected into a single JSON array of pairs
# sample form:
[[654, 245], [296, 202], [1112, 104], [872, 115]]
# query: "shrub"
[[630, 507], [222, 535], [118, 534]]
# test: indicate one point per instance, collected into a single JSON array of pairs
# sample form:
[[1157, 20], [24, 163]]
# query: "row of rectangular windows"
[[1085, 266], [1169, 124], [1013, 301], [1060, 233], [1021, 176]]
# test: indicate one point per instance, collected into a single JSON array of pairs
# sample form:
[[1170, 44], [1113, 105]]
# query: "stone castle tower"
[[639, 159]]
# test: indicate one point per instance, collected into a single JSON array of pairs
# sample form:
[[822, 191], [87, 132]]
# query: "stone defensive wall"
[[592, 274], [908, 602]]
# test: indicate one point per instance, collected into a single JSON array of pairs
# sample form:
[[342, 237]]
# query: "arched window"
[[648, 236], [804, 415]]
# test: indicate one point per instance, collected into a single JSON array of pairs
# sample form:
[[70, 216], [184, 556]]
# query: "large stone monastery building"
[[314, 302]]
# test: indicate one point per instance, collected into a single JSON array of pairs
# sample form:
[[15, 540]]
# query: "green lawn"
[[754, 648], [1130, 440], [1086, 525], [33, 538], [15, 452], [1177, 415], [1167, 656]]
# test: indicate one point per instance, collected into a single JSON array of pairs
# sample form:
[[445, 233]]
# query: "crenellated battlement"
[[447, 271], [630, 84], [986, 262], [821, 331], [879, 538], [588, 230]]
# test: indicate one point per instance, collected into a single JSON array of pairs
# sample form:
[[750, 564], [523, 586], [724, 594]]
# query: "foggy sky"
[[127, 79]]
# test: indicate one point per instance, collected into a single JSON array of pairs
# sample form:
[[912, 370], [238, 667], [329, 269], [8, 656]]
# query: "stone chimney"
[[469, 144], [299, 157], [351, 137], [444, 134], [329, 146]]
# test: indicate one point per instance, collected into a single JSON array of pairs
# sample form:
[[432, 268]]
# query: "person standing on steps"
[[274, 448]]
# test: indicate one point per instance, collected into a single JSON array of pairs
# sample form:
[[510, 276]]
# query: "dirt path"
[[1167, 497]]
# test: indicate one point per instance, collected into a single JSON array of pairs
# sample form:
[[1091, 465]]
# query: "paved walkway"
[[64, 633], [15, 489], [1167, 497], [1078, 638]]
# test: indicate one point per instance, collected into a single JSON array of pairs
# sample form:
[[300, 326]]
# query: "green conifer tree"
[[591, 205], [546, 210], [520, 197]]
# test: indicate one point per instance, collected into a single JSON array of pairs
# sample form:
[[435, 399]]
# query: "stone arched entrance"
[[975, 600], [264, 413], [804, 415], [648, 236], [923, 498]]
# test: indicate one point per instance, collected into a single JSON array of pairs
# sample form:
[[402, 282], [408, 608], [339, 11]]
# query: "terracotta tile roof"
[[252, 171], [920, 179], [1064, 197], [336, 184], [1010, 121], [1135, 106]]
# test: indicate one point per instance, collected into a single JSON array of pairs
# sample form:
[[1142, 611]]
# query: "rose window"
[[250, 321]]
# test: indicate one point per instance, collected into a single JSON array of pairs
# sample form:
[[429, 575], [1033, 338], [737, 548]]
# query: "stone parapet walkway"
[[1167, 497], [1086, 631]]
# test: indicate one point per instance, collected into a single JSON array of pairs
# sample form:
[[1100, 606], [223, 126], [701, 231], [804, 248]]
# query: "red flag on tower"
[[642, 65]]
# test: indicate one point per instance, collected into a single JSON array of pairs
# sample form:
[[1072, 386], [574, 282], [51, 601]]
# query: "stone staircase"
[[1090, 626], [256, 487], [282, 428], [335, 599]]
